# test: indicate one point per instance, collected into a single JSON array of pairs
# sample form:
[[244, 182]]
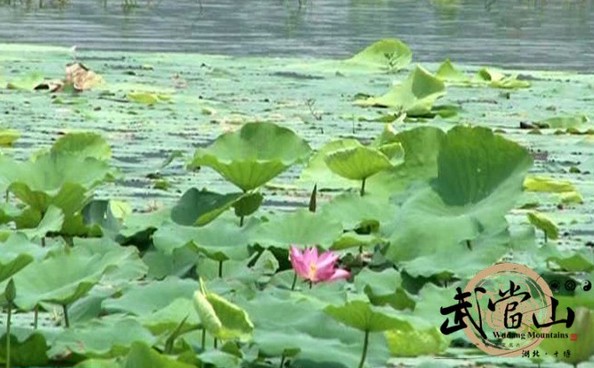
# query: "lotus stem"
[[203, 340], [241, 221], [220, 269], [363, 187], [8, 321], [364, 354], [43, 241], [294, 281], [282, 362], [35, 317], [215, 343], [66, 320], [468, 244], [7, 196]]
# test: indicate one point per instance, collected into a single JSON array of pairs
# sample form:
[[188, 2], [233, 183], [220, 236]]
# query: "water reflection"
[[513, 33]]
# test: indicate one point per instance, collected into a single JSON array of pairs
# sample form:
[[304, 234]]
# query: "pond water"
[[512, 33]]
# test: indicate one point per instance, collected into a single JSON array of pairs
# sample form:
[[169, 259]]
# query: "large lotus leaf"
[[142, 356], [299, 227], [479, 178], [61, 279], [178, 263], [167, 319], [146, 299], [415, 95], [222, 239], [421, 150], [252, 155], [123, 264], [464, 260], [352, 210], [29, 352], [99, 363], [199, 207], [294, 324], [357, 163], [317, 171], [388, 54], [16, 253], [108, 337], [563, 122], [83, 144], [417, 342], [384, 288], [581, 349], [51, 171], [221, 318], [52, 221], [365, 317]]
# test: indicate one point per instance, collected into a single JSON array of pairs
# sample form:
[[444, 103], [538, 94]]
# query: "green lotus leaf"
[[579, 261], [545, 224], [387, 54], [498, 79], [563, 122], [99, 363], [547, 185], [220, 358], [52, 221], [123, 264], [50, 171], [148, 98], [447, 72], [384, 288], [8, 137], [146, 299], [248, 204], [167, 319], [294, 325], [421, 150], [65, 278], [352, 210], [416, 342], [83, 144], [141, 355], [357, 163], [221, 318], [300, 227], [101, 338], [27, 82], [16, 253], [317, 171], [221, 240], [354, 240], [364, 317], [252, 155], [479, 178], [581, 349], [199, 207], [415, 95], [29, 352]]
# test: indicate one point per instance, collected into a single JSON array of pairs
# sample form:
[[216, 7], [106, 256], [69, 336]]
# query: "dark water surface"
[[556, 34]]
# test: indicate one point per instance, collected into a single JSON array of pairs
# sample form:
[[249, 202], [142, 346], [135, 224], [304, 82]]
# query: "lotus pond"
[[152, 200]]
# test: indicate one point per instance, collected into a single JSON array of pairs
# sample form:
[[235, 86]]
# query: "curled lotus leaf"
[[358, 162], [415, 95], [253, 155]]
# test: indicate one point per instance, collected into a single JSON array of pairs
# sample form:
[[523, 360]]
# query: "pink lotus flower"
[[310, 266]]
